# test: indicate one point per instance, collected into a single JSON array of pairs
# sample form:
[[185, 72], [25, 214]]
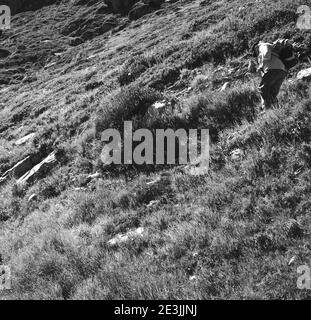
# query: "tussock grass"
[[218, 111], [226, 235]]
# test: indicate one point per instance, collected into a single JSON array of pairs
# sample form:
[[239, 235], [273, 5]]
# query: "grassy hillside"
[[76, 69]]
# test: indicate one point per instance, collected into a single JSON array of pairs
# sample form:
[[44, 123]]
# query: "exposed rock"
[[40, 168], [184, 91], [25, 139], [162, 107], [292, 260], [32, 197], [95, 175], [236, 154], [304, 74], [153, 182], [80, 189], [20, 168], [123, 238], [153, 203], [225, 86]]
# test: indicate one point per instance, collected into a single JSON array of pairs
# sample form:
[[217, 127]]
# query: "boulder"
[[304, 74], [123, 238], [160, 106]]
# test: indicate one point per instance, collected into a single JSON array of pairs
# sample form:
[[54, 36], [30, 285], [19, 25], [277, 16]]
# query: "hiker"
[[274, 61]]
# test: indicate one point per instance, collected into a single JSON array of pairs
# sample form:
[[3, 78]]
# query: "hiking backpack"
[[289, 57]]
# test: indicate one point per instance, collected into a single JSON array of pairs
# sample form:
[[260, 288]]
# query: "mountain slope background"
[[76, 68]]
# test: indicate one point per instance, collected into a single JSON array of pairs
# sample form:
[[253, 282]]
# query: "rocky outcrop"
[[20, 168], [38, 169], [29, 168]]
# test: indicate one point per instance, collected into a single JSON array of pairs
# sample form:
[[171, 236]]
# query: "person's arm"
[[281, 44]]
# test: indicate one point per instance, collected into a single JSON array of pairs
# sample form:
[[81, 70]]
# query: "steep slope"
[[78, 68]]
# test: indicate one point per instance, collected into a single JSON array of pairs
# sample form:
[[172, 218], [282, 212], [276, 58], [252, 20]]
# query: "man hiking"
[[274, 61]]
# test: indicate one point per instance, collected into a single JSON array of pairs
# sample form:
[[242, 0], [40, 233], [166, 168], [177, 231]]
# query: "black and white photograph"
[[155, 153]]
